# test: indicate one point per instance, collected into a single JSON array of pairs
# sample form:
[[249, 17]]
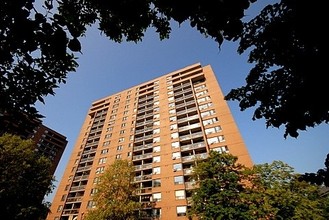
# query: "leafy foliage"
[[38, 45], [38, 49], [288, 52], [227, 190], [25, 179], [116, 194], [321, 177]]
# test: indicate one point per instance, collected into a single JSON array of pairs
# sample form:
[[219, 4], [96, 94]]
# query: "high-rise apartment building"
[[162, 126], [49, 143]]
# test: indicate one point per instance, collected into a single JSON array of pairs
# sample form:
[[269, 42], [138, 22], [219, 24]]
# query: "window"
[[156, 159], [109, 129], [113, 117], [119, 148], [175, 155], [126, 112], [156, 197], [100, 170], [93, 191], [208, 113], [178, 180], [106, 143], [108, 136], [156, 103], [118, 156], [156, 212], [156, 149], [96, 180], [210, 121], [171, 99], [91, 204], [122, 131], [102, 160], [59, 209], [223, 149], [177, 167], [156, 123], [105, 151], [172, 111], [173, 127], [63, 197], [156, 140], [125, 118], [129, 154], [123, 125], [156, 116], [156, 131], [205, 106], [114, 111], [180, 194], [175, 144], [127, 106], [157, 109], [174, 135], [156, 182], [215, 140], [204, 99], [171, 105], [213, 130], [181, 210], [121, 140], [156, 170], [173, 118]]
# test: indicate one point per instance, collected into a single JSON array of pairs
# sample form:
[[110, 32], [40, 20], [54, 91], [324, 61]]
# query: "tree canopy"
[[227, 190], [39, 45], [287, 80], [116, 194], [25, 179]]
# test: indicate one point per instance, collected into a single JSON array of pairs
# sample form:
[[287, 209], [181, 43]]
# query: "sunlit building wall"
[[162, 126]]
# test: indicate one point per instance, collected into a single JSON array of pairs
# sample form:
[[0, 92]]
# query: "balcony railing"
[[142, 156], [193, 146], [143, 147], [143, 167], [191, 136], [194, 157], [143, 177]]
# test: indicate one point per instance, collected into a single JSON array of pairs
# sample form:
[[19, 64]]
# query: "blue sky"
[[107, 67]]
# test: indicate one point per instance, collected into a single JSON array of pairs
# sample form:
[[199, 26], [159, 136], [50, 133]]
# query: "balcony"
[[194, 157], [185, 104], [142, 156], [143, 130], [87, 159], [77, 188], [143, 167], [70, 211], [143, 177], [144, 190], [189, 127], [144, 138], [73, 199], [84, 168], [143, 147], [193, 146], [191, 136], [79, 178]]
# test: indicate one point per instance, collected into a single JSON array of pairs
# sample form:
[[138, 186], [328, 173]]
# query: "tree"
[[321, 177], [38, 49], [227, 190], [283, 195], [38, 45], [288, 52], [116, 194], [219, 188], [25, 179]]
